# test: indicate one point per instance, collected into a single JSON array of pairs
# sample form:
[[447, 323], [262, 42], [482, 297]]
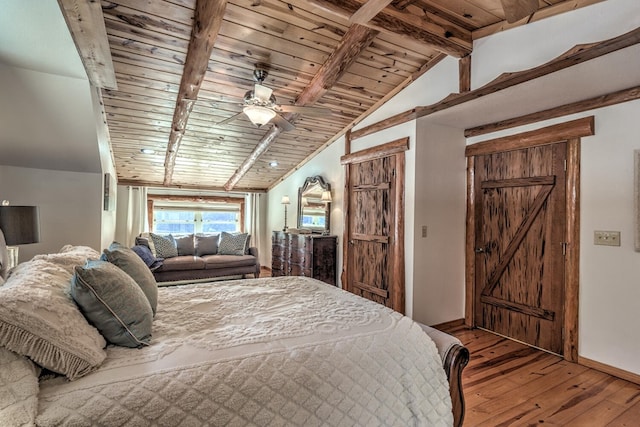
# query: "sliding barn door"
[[374, 255], [520, 235]]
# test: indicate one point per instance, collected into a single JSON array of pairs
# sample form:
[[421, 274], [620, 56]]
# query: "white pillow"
[[18, 389], [39, 319]]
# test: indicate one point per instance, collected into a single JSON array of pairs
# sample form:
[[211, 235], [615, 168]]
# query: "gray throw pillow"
[[165, 246], [112, 301], [186, 245], [207, 245], [232, 244], [134, 266]]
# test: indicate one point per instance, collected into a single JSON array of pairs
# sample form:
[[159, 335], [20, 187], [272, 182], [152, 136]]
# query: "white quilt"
[[287, 351]]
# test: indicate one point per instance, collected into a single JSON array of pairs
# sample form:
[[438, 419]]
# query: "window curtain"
[[252, 204], [136, 213]]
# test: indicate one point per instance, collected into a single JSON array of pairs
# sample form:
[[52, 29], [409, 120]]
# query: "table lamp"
[[20, 226]]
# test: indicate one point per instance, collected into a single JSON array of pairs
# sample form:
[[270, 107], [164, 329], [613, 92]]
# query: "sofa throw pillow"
[[232, 244], [39, 319], [207, 245], [165, 246], [130, 263], [147, 257], [186, 245], [112, 301]]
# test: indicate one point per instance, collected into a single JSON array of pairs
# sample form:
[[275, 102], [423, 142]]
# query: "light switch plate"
[[606, 238]]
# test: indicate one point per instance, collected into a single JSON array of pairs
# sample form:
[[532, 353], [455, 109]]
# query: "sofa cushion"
[[129, 262], [226, 261], [186, 245], [233, 244], [165, 246], [207, 245], [181, 263], [112, 301]]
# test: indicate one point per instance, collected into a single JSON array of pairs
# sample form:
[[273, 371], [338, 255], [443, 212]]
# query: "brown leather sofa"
[[192, 267], [198, 257]]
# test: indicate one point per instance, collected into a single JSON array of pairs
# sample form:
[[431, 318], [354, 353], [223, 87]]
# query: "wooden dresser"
[[311, 255]]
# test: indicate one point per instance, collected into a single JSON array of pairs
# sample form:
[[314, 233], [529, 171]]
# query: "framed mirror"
[[313, 210]]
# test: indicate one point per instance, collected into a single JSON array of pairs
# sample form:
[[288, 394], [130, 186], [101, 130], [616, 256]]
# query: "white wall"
[[440, 203], [325, 164], [70, 205]]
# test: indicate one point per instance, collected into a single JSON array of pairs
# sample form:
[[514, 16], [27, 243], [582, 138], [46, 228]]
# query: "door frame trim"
[[571, 132]]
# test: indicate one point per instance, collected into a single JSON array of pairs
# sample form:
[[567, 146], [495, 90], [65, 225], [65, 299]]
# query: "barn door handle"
[[480, 250], [351, 242]]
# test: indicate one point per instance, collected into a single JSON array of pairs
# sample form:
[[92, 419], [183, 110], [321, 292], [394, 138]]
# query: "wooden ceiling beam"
[[353, 43], [444, 36], [403, 4], [368, 10], [206, 24], [577, 55], [86, 24]]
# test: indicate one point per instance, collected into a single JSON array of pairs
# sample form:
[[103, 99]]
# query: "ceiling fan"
[[260, 106], [515, 10]]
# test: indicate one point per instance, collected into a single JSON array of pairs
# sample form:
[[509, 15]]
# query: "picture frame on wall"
[[636, 197], [109, 195]]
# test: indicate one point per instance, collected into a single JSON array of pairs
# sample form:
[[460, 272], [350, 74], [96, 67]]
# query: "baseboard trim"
[[608, 369]]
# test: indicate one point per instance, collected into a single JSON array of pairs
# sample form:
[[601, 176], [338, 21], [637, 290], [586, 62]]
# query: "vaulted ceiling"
[[170, 71]]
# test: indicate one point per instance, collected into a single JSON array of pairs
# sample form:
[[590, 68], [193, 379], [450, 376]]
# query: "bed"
[[271, 351]]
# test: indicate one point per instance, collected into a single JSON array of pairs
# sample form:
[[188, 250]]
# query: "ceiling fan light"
[[259, 115]]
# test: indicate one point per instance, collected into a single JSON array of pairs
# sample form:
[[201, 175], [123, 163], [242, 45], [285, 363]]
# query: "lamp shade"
[[326, 196], [20, 224], [259, 115], [285, 200]]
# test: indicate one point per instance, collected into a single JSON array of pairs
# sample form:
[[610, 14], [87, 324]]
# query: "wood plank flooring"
[[509, 384]]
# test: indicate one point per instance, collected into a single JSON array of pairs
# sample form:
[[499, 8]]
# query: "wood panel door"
[[375, 239], [520, 243]]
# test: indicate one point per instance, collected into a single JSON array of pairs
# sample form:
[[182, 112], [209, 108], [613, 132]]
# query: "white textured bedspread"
[[287, 351]]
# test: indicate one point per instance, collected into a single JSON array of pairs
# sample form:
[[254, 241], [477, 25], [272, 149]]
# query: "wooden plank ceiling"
[[149, 46]]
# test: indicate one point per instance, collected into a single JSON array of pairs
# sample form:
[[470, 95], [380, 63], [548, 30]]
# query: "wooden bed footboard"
[[455, 362]]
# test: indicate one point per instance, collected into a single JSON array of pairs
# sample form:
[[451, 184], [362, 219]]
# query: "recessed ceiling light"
[[146, 151], [273, 164]]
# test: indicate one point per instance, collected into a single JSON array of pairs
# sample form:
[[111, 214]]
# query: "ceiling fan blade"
[[307, 111], [282, 123], [230, 119], [515, 10], [263, 93]]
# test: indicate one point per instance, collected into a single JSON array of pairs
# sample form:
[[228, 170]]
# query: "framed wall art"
[[109, 196]]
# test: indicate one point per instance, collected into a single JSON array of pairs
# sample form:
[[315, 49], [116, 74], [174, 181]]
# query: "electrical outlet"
[[424, 231], [606, 238]]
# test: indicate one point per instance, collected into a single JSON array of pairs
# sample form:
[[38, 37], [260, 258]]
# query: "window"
[[183, 217]]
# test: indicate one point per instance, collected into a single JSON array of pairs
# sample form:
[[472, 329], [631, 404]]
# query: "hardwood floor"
[[509, 384]]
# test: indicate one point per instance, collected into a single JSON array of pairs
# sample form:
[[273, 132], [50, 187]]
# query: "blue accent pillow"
[[145, 254]]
